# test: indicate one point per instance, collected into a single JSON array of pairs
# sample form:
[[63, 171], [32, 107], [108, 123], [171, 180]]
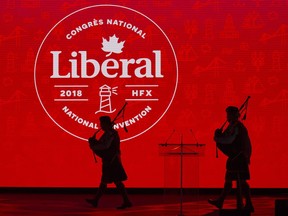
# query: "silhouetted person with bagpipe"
[[235, 143], [108, 149]]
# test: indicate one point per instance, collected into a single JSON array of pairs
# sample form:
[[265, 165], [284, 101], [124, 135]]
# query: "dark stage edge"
[[51, 201], [72, 203], [75, 190]]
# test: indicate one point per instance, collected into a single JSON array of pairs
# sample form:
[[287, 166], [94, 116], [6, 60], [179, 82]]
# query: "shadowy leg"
[[247, 195], [122, 190], [100, 192], [226, 190], [239, 192]]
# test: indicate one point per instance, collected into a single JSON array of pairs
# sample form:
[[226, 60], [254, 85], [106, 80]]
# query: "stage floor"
[[16, 204]]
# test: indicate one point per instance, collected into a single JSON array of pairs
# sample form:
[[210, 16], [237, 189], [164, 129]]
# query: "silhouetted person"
[[108, 148], [235, 143]]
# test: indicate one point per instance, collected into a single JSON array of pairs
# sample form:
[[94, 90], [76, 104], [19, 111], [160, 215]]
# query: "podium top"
[[182, 144], [192, 149]]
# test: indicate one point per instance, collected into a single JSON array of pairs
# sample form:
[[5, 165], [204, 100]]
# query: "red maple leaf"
[[112, 46]]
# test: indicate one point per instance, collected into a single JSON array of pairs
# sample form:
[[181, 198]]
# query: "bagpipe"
[[93, 141], [226, 149]]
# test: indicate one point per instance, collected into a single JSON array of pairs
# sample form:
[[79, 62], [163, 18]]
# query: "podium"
[[181, 150]]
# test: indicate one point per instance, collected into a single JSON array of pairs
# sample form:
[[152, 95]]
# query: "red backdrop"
[[226, 50]]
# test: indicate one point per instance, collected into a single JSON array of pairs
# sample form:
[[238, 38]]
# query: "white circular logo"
[[99, 59]]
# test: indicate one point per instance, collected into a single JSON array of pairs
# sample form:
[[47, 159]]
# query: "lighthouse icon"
[[105, 93]]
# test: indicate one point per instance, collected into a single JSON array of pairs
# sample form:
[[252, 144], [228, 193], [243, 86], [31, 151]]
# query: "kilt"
[[237, 165], [113, 171]]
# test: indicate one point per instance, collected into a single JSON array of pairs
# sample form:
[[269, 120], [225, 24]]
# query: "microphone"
[[194, 136], [170, 136]]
